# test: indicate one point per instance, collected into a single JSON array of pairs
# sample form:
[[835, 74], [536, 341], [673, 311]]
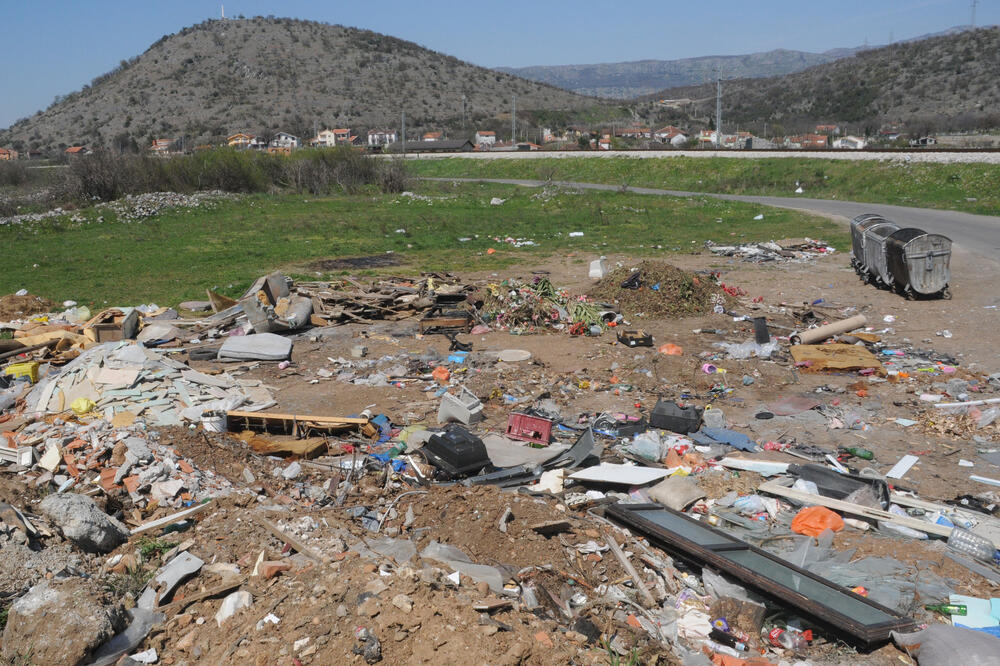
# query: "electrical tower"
[[972, 22]]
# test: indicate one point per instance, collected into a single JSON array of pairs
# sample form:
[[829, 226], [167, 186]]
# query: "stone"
[[138, 447], [60, 622], [271, 568], [232, 604], [83, 523], [402, 602]]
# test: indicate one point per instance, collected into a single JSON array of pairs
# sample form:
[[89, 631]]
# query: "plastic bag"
[[943, 645], [670, 349], [814, 520]]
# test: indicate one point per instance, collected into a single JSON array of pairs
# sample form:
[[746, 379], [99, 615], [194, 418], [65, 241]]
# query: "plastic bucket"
[[214, 421]]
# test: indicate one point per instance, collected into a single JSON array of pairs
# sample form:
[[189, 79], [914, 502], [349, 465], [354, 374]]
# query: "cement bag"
[[944, 645]]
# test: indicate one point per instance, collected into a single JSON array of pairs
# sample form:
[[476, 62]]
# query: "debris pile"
[[761, 484], [787, 250]]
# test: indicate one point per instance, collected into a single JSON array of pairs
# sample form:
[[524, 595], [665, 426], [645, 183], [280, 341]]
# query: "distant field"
[[973, 188], [178, 254]]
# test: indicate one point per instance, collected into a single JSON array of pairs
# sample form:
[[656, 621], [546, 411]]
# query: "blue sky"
[[53, 47]]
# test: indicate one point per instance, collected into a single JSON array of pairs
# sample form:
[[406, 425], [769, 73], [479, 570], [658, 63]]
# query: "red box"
[[529, 428]]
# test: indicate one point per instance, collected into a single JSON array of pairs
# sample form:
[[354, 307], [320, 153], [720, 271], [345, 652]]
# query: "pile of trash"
[[504, 513], [789, 249], [658, 289], [513, 305]]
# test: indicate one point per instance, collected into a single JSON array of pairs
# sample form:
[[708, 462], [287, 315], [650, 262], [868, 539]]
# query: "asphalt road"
[[976, 233]]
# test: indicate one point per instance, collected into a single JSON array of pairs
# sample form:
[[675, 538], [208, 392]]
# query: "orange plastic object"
[[814, 520], [491, 251], [670, 349], [441, 374]]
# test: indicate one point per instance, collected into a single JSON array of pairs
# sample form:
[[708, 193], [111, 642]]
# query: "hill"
[[944, 82], [624, 80], [266, 74]]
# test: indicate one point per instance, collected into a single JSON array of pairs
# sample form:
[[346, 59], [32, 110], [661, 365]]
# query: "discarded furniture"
[[465, 408], [444, 315], [850, 615], [291, 424], [919, 263], [112, 325]]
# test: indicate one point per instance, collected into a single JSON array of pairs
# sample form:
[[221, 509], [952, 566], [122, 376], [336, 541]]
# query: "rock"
[[402, 602], [231, 604], [292, 471], [60, 622], [138, 447], [83, 523]]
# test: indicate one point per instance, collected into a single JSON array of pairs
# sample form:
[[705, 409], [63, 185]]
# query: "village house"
[[284, 140], [163, 146], [850, 142], [806, 141], [331, 137], [604, 143], [7, 154], [240, 140], [431, 136], [670, 134], [634, 132], [73, 151], [381, 137], [827, 129], [706, 137], [485, 138]]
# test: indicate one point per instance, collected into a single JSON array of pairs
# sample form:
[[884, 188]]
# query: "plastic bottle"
[[789, 639], [963, 541]]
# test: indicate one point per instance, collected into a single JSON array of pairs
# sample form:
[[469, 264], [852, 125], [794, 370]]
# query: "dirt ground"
[[324, 606]]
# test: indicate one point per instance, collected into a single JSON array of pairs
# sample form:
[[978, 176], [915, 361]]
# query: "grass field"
[[973, 188], [178, 254]]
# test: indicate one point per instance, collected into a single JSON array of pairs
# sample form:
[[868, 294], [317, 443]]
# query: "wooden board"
[[775, 488]]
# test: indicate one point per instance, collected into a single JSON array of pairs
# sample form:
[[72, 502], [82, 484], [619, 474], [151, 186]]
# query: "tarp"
[[835, 357]]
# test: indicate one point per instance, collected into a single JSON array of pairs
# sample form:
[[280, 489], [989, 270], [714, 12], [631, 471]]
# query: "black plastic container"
[[456, 452], [668, 415]]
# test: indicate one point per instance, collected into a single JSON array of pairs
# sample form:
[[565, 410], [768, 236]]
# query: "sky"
[[53, 47]]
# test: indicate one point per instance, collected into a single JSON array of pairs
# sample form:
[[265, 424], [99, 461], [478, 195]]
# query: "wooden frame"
[[714, 555]]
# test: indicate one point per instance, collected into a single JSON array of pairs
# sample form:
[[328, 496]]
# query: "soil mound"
[[659, 289]]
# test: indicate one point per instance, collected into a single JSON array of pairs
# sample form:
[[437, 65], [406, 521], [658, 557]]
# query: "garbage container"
[[919, 262], [875, 270], [858, 226]]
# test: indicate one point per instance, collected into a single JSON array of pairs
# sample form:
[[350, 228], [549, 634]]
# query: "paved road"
[[978, 233]]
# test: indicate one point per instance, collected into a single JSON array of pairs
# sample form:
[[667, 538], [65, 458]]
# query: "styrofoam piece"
[[258, 347], [903, 466], [465, 408], [629, 475]]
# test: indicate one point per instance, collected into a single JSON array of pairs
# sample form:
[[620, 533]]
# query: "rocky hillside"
[[624, 80], [223, 76], [941, 82]]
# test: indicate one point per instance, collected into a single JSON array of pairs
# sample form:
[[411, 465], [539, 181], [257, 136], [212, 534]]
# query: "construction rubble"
[[651, 467]]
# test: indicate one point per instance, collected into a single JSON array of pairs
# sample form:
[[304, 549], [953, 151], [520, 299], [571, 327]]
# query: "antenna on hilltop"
[[972, 23], [223, 11]]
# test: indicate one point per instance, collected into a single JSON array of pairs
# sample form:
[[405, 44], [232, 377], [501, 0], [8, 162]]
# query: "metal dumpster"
[[875, 269], [919, 262], [858, 226]]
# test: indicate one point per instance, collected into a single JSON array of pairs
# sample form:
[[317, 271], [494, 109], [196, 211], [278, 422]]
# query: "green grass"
[[943, 186], [176, 255]]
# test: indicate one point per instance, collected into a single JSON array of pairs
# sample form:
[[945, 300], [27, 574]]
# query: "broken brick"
[[131, 483], [185, 467], [543, 638], [271, 568]]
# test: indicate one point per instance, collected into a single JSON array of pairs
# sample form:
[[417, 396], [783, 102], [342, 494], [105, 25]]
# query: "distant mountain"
[[258, 75], [945, 82], [625, 80]]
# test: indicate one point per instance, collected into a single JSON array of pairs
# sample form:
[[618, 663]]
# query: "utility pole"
[[404, 133], [972, 23], [513, 119], [464, 99], [718, 113]]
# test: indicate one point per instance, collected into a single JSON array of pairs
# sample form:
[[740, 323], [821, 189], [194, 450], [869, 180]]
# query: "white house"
[[381, 137], [331, 137], [672, 135], [850, 143], [485, 138], [284, 140]]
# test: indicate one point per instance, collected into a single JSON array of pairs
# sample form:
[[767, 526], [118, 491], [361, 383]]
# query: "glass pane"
[[828, 595], [703, 536]]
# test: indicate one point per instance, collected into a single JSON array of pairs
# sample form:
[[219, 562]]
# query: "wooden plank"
[[172, 518], [322, 420], [775, 488], [629, 569], [292, 541]]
